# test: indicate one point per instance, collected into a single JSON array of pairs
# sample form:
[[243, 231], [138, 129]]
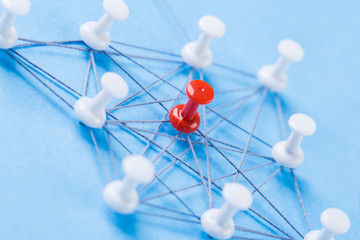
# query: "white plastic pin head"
[[334, 222], [95, 34], [288, 153], [138, 168], [121, 196], [115, 85], [291, 50], [91, 111], [198, 54], [212, 26], [13, 8], [302, 124], [16, 7], [117, 9], [237, 196], [274, 76], [219, 223]]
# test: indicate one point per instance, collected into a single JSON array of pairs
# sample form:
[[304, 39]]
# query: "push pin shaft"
[[203, 43], [100, 101], [129, 185], [226, 213], [7, 21], [190, 109], [293, 143], [104, 24], [281, 65]]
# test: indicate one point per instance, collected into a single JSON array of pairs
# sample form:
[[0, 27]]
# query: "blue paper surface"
[[51, 177]]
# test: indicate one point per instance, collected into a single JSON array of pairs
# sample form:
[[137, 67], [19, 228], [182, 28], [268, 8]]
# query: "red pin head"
[[184, 117], [200, 91]]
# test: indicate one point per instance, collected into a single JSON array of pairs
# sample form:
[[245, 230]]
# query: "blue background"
[[50, 178]]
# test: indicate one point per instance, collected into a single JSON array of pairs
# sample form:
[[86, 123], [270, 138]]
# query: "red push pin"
[[184, 117]]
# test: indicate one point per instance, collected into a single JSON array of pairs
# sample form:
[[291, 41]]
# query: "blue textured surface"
[[51, 179]]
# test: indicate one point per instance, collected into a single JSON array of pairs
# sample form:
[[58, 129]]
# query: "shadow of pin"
[[125, 223]]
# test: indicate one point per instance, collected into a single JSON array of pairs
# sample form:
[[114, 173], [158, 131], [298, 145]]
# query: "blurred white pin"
[[334, 221], [13, 8], [274, 76], [219, 223], [91, 111], [198, 54], [95, 34], [288, 153], [121, 196]]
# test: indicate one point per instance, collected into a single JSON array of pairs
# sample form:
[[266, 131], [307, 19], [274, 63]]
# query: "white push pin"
[[13, 8], [91, 111], [288, 153], [198, 54], [274, 76], [95, 34], [219, 223], [121, 196], [334, 221]]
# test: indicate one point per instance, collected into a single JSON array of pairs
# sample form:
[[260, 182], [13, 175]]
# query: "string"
[[165, 116], [207, 158], [99, 154], [37, 78], [198, 166], [167, 82], [281, 118], [87, 76], [252, 130], [46, 73], [173, 14], [300, 199]]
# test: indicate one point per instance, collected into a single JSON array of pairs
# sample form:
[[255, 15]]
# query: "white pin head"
[[138, 168], [13, 8], [302, 124], [96, 34], [334, 222], [121, 196], [198, 54], [115, 85], [117, 9], [274, 76], [291, 50], [91, 111], [16, 7], [288, 153], [212, 26], [219, 223], [237, 195]]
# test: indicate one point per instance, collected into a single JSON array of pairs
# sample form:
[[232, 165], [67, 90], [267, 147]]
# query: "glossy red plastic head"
[[200, 92], [181, 124]]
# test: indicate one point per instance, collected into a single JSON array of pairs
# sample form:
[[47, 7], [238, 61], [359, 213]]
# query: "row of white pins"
[[196, 54], [121, 196]]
